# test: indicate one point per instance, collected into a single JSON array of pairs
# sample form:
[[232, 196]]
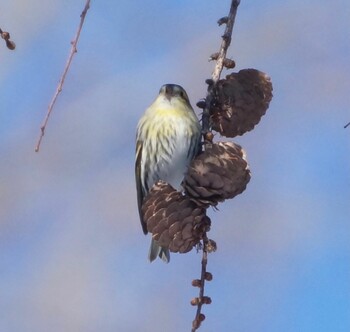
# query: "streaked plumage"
[[167, 139]]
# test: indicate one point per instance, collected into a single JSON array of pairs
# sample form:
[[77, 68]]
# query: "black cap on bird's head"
[[173, 90]]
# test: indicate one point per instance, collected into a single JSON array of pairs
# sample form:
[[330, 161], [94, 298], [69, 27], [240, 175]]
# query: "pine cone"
[[240, 101], [173, 219], [218, 173]]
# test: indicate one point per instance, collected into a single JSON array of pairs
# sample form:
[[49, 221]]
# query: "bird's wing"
[[140, 194]]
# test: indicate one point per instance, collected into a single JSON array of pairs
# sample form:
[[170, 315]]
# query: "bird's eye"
[[182, 95]]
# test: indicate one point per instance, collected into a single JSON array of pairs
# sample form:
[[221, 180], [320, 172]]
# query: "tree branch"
[[221, 62], [220, 58], [207, 247], [65, 71]]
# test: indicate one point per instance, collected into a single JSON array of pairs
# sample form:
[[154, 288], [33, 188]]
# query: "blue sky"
[[72, 253]]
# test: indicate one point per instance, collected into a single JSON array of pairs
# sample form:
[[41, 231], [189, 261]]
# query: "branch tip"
[[9, 43], [73, 51]]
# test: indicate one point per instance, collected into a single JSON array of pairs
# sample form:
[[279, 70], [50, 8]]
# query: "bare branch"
[[347, 125], [65, 71], [226, 40], [207, 247], [221, 62], [220, 59]]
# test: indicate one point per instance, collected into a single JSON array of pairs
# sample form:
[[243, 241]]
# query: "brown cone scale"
[[240, 101], [220, 172], [173, 219]]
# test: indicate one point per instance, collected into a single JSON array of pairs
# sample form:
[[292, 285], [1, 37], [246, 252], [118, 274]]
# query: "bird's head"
[[170, 91]]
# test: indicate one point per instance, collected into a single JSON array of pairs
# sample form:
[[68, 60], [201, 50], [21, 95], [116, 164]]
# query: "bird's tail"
[[156, 250]]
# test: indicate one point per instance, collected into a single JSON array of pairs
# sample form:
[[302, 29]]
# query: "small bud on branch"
[[9, 43], [223, 20]]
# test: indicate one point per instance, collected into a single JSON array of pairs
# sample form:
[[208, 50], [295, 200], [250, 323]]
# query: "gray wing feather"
[[139, 189]]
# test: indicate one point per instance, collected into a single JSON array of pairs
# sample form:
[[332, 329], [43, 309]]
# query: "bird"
[[167, 139]]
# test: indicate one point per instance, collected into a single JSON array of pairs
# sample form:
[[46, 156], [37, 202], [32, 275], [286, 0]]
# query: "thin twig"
[[208, 246], [347, 125], [220, 59], [65, 71], [198, 318]]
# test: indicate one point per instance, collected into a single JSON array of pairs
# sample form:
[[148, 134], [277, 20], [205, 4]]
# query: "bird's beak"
[[168, 92]]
